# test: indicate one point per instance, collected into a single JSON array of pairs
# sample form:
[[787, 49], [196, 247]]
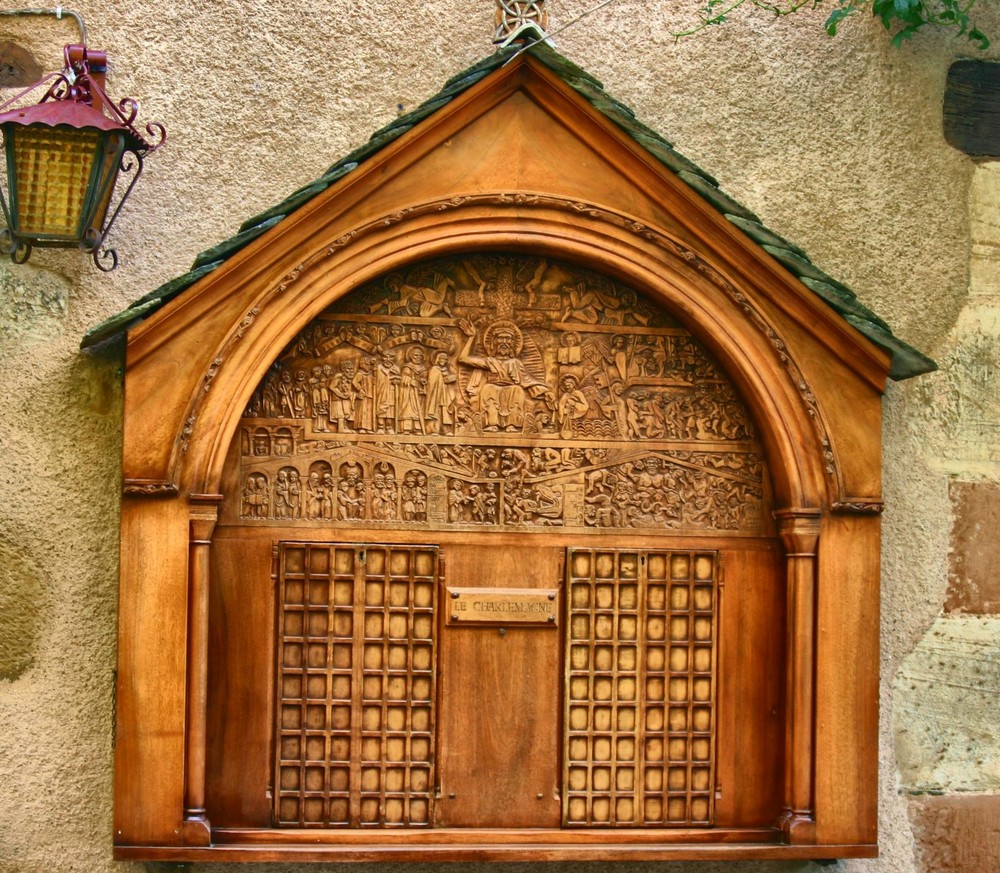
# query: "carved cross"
[[516, 16]]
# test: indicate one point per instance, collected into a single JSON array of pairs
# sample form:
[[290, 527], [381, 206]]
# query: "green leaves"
[[903, 17], [909, 16], [837, 16]]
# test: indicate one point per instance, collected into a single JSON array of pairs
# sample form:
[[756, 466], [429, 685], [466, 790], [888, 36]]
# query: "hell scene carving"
[[495, 391]]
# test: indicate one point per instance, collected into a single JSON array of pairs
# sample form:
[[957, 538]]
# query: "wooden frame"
[[519, 163]]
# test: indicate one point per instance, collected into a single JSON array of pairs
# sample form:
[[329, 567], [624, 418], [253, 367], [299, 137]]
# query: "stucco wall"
[[836, 144]]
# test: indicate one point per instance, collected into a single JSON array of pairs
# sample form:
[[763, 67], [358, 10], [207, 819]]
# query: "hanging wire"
[[56, 12], [559, 30]]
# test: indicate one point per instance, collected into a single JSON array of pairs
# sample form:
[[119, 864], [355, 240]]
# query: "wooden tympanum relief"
[[356, 685], [500, 392], [640, 688]]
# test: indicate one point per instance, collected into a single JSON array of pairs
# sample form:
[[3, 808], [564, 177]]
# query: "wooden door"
[[355, 699], [639, 743]]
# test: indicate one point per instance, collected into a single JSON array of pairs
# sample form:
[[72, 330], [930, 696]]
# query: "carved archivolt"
[[499, 391], [518, 200]]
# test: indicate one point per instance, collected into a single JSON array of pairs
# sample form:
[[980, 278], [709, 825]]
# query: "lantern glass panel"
[[52, 172], [106, 173]]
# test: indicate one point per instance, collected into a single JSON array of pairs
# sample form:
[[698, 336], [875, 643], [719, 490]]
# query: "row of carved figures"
[[651, 493], [640, 494], [348, 497], [384, 398]]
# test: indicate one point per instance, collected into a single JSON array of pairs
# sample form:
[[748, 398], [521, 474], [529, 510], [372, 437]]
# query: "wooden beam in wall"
[[972, 108]]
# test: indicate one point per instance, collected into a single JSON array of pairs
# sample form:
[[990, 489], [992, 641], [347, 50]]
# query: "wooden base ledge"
[[505, 851]]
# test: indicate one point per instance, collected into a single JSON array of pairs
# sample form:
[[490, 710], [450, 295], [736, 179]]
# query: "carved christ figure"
[[502, 384]]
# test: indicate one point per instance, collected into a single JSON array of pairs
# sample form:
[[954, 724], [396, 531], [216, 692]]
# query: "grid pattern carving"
[[639, 748], [356, 685]]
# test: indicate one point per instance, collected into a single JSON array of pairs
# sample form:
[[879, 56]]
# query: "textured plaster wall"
[[836, 144]]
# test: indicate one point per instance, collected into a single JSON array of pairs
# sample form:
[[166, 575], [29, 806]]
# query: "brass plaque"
[[503, 606]]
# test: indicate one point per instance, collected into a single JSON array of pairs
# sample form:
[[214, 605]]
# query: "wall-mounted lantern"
[[63, 158]]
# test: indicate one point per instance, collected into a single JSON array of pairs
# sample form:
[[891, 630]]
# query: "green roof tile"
[[798, 264], [486, 65], [845, 304], [665, 154], [762, 235], [906, 360], [716, 196], [232, 245], [144, 306], [561, 65]]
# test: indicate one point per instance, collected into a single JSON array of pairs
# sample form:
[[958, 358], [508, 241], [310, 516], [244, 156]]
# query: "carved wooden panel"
[[500, 392], [356, 685], [507, 408], [639, 746]]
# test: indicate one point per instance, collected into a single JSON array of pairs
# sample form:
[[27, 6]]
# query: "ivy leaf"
[[836, 17], [981, 39], [904, 17]]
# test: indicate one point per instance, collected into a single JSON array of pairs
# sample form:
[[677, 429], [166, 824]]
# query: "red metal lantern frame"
[[75, 100]]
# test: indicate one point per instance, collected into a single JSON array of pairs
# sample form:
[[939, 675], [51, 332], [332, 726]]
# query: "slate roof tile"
[[906, 361]]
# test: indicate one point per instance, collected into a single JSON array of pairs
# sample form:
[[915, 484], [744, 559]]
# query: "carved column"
[[204, 512], [800, 535]]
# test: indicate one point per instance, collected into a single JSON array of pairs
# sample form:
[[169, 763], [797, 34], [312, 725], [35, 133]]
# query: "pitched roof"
[[906, 360]]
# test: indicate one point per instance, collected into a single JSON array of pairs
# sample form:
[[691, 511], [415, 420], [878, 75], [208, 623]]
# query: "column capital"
[[799, 529]]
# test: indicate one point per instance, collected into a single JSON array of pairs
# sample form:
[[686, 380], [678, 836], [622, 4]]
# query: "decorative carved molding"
[[213, 370], [860, 506], [149, 488]]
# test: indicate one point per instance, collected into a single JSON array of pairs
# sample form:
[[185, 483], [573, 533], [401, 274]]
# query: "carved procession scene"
[[498, 392]]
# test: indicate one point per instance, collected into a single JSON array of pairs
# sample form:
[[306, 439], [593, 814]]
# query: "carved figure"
[[261, 443], [439, 406], [282, 507], [384, 393], [300, 394], [501, 387], [570, 351], [282, 443], [412, 389], [351, 494], [255, 496], [294, 494], [573, 405], [456, 501], [320, 396], [430, 299], [286, 402], [341, 407], [618, 360], [363, 389], [314, 495], [383, 494], [409, 496]]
